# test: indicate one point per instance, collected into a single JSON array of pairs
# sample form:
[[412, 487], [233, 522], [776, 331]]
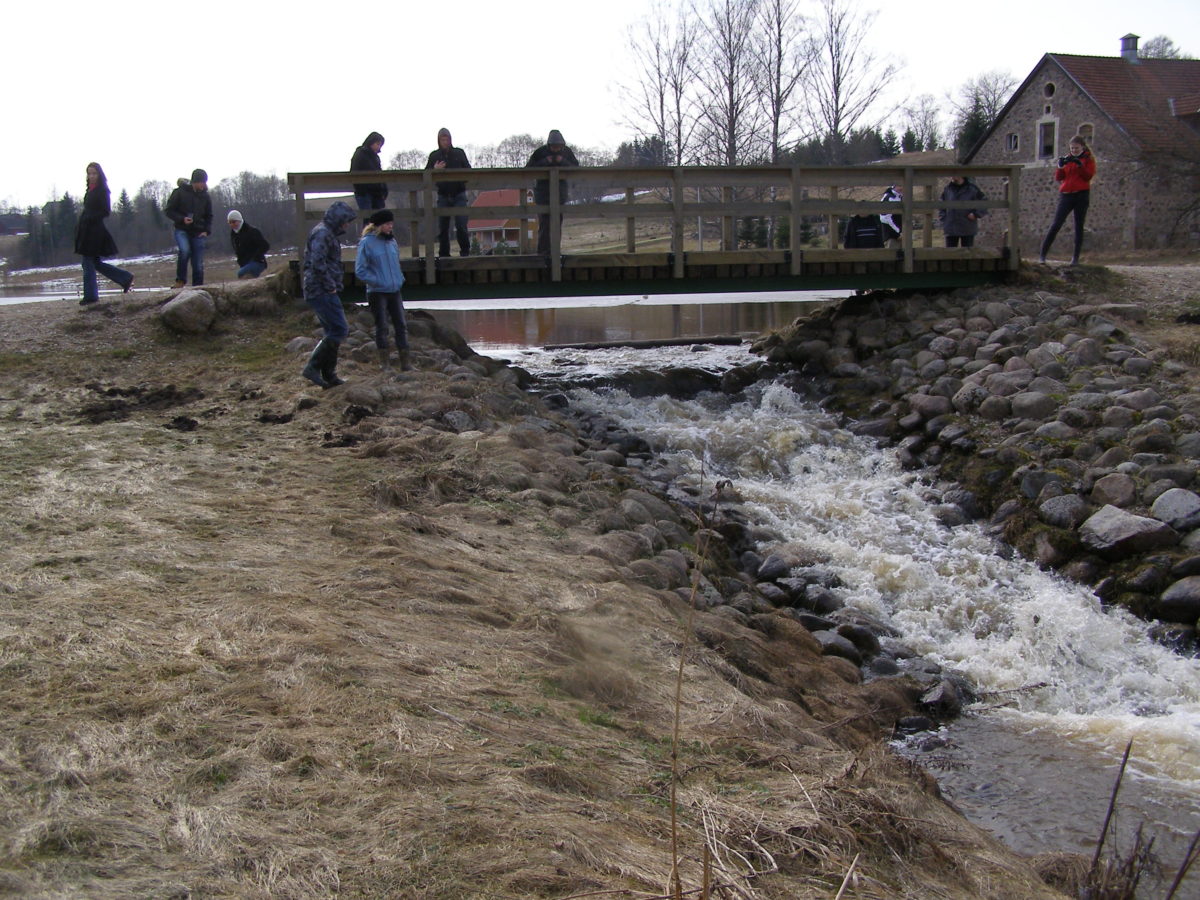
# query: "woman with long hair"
[[92, 240], [1074, 176]]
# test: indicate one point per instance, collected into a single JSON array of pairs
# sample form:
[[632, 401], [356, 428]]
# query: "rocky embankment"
[[1042, 414]]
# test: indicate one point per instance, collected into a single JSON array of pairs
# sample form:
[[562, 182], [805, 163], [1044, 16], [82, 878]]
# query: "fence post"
[[630, 230], [677, 223], [430, 228], [301, 219], [909, 219], [555, 227], [794, 220]]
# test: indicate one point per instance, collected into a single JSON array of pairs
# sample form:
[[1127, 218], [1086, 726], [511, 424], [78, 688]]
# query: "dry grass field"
[[251, 646]]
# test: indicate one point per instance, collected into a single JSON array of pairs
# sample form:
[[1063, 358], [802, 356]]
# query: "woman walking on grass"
[[1074, 175], [92, 240]]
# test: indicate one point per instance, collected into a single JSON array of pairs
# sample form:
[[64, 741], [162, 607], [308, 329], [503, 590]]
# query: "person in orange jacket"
[[1074, 174]]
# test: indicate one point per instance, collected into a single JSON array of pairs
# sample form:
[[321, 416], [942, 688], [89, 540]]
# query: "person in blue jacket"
[[322, 285], [377, 265]]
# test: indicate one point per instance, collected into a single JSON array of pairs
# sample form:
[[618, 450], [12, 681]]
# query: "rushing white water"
[[958, 599]]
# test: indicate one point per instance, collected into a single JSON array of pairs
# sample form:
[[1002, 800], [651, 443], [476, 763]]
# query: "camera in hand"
[[1065, 160]]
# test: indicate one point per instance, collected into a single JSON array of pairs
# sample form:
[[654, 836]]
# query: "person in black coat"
[[366, 159], [554, 152], [190, 208], [249, 246], [92, 240], [450, 193]]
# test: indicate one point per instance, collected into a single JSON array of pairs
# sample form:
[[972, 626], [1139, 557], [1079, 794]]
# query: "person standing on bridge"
[[377, 265], [366, 159], [961, 225], [1074, 176], [450, 193], [190, 208], [554, 152], [322, 285]]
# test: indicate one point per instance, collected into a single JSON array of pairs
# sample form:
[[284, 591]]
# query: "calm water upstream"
[[1035, 766]]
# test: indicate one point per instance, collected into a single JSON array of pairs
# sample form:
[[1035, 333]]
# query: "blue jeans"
[[252, 269], [387, 306], [332, 316], [370, 201], [191, 247], [94, 264], [460, 226]]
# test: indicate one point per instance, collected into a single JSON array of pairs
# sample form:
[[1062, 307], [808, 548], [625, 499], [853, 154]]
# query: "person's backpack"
[[863, 233]]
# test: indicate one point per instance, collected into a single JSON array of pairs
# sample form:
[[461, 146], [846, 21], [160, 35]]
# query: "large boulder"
[[1181, 601], [1179, 508], [1117, 534], [189, 312]]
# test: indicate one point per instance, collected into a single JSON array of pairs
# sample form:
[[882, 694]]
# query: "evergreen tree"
[[891, 144], [971, 127], [909, 142]]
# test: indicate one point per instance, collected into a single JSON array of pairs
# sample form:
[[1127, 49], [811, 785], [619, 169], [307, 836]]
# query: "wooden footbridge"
[[667, 230]]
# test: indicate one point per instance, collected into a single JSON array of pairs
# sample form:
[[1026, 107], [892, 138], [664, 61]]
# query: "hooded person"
[[450, 193], [249, 246], [377, 265], [553, 153], [961, 225], [322, 283], [366, 159], [190, 208]]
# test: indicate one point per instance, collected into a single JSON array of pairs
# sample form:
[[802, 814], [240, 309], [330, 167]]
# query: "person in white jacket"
[[377, 265]]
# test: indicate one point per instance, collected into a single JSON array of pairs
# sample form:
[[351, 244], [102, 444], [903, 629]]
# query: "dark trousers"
[[460, 226], [1075, 202], [388, 307], [960, 240]]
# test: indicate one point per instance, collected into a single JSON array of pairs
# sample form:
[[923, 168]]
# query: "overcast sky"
[[152, 90]]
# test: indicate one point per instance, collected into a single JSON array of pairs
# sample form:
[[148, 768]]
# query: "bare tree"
[[846, 78], [732, 115], [781, 61], [987, 93], [408, 159], [1161, 47], [923, 118], [661, 98], [514, 151]]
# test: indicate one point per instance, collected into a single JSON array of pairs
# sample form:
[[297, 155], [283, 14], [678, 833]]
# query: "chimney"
[[1129, 48]]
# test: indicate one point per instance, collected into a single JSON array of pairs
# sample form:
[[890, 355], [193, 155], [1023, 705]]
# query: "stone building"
[[1141, 118]]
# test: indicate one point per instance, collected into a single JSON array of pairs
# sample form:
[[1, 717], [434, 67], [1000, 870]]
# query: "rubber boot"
[[384, 363], [312, 371], [329, 365], [405, 362]]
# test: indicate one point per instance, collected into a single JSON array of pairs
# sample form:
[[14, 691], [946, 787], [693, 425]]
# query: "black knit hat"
[[199, 175], [381, 216]]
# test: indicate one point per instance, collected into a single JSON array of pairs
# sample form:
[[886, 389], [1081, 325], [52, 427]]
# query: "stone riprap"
[[1078, 443]]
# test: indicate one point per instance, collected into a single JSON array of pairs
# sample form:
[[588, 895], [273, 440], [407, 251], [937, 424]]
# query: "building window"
[[1048, 90], [1011, 142], [1046, 140]]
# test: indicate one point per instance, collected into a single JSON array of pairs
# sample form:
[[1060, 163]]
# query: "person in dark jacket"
[[863, 233], [450, 193], [92, 240], [1074, 176], [190, 208], [249, 246], [377, 265], [554, 152], [322, 284], [366, 159], [961, 225]]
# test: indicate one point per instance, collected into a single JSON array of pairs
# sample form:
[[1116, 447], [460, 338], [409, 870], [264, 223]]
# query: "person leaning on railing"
[[554, 152]]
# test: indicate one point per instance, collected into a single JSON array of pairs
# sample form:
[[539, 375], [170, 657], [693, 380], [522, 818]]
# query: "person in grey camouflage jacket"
[[322, 285]]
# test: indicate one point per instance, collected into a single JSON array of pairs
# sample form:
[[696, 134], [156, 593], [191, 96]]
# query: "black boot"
[[312, 371], [329, 364]]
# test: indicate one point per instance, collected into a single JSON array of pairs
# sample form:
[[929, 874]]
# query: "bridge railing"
[[680, 198]]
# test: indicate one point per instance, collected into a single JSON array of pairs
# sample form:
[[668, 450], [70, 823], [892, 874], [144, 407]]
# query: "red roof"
[[1137, 96], [503, 197]]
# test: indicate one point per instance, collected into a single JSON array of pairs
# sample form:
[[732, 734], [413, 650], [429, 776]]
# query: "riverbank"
[[414, 637]]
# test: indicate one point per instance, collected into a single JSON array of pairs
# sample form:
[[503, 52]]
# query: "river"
[[1035, 765]]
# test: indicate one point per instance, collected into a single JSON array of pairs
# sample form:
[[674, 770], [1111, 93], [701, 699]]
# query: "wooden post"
[[833, 229], [1014, 218], [523, 234], [927, 237], [555, 227], [430, 229], [301, 221], [677, 222], [630, 229], [414, 225], [794, 231], [906, 206], [728, 236]]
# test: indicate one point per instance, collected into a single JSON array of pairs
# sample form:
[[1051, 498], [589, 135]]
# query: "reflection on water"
[[627, 319]]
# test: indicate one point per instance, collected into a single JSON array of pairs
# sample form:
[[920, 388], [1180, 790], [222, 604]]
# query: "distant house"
[[493, 232], [1141, 118]]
